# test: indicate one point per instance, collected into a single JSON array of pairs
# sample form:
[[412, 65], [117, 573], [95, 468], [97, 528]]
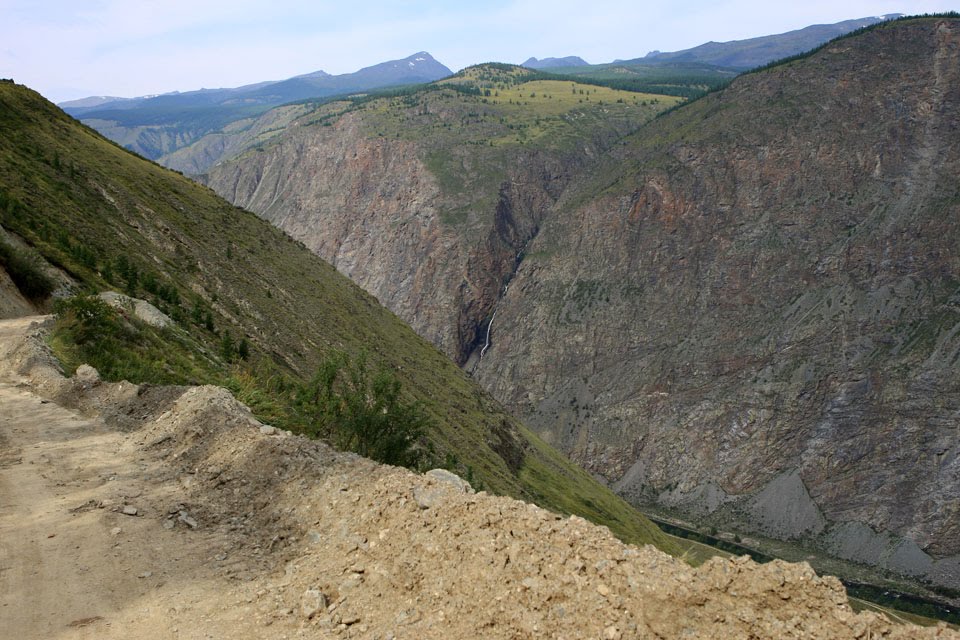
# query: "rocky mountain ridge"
[[747, 313], [554, 63], [755, 52]]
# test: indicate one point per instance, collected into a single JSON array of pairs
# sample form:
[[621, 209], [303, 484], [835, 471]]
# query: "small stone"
[[409, 616], [145, 574], [267, 430], [352, 582], [611, 633], [350, 619], [451, 479], [116, 531], [130, 510], [311, 602], [603, 589], [87, 376], [187, 520], [168, 524], [426, 498]]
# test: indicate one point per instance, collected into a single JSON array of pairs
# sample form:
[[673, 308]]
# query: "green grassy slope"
[[101, 214]]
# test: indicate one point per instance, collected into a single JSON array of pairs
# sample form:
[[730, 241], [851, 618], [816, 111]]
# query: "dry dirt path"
[[72, 564], [243, 531]]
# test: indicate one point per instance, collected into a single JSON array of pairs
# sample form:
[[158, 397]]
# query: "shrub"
[[90, 321], [365, 412]]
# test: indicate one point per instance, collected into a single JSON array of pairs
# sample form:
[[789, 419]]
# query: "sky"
[[67, 49]]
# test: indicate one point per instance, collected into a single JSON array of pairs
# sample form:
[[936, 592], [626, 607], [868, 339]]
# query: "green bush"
[[89, 319], [365, 412], [26, 272]]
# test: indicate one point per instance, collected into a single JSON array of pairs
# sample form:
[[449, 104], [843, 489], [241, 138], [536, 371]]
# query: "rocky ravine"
[[437, 251], [749, 313], [156, 512], [759, 323]]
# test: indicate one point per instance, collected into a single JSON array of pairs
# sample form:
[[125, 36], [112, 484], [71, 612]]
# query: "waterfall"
[[484, 350]]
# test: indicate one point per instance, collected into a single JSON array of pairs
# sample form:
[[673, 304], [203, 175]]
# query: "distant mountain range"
[[92, 101], [160, 126], [735, 55], [754, 52], [157, 125], [555, 63], [420, 67]]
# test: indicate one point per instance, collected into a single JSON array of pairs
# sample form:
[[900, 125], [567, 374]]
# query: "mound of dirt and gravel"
[[170, 512]]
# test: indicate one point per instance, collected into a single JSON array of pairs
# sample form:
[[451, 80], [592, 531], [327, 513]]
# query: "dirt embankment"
[[155, 512]]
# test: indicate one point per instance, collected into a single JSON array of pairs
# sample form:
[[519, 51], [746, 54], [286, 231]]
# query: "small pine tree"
[[197, 313], [228, 350]]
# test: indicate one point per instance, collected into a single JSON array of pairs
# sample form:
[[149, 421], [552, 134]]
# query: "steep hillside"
[[156, 126], [753, 314], [428, 199], [748, 313], [108, 219]]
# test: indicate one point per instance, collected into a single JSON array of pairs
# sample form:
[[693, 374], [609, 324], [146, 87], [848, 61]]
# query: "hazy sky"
[[74, 48]]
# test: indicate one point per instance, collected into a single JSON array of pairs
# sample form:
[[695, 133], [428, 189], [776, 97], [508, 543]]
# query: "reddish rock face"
[[771, 286], [753, 302], [437, 255]]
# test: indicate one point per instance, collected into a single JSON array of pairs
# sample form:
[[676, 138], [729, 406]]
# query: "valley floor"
[[156, 512]]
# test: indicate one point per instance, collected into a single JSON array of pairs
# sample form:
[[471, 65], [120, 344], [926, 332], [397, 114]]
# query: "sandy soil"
[[157, 512]]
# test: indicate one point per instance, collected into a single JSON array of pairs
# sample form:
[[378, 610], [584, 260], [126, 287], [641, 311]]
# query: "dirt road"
[[72, 564]]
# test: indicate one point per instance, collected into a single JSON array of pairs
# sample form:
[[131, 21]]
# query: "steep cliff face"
[[365, 205], [749, 312], [759, 320], [429, 202], [199, 155]]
